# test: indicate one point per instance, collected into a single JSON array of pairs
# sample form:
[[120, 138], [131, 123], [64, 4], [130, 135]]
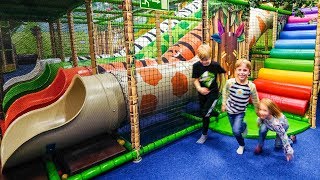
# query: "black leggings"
[[206, 108]]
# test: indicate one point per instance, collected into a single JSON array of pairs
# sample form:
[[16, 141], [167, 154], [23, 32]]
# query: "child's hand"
[[289, 157], [204, 90], [223, 108]]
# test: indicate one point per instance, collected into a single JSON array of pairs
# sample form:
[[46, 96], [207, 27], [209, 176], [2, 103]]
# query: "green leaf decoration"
[[225, 19], [241, 38], [225, 11]]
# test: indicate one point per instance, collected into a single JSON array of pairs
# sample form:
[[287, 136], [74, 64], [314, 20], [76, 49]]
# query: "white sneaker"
[[202, 139], [240, 150]]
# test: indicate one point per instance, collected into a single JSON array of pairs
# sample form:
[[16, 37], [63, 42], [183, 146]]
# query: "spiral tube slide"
[[295, 106], [292, 77], [283, 89], [67, 121], [44, 97]]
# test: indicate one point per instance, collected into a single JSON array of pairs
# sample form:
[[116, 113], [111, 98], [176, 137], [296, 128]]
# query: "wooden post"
[[170, 33], [106, 42], [239, 49], [2, 68], [91, 36], [103, 42], [315, 86], [52, 40], [100, 43], [38, 36], [110, 39], [96, 38], [246, 40], [131, 72], [72, 40], [266, 40], [158, 38], [205, 29], [60, 40], [215, 44], [274, 28]]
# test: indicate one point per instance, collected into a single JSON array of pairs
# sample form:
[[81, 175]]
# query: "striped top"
[[236, 96]]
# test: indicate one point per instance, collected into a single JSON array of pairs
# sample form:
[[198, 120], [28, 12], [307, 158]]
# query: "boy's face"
[[205, 61], [242, 72]]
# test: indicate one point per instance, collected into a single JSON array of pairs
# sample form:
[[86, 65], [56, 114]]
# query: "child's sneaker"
[[240, 150], [258, 150], [293, 138], [202, 139]]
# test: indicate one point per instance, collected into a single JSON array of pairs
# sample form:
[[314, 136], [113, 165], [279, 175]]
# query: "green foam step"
[[289, 64], [293, 53]]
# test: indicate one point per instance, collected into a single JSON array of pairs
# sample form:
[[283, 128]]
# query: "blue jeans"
[[263, 133], [238, 126]]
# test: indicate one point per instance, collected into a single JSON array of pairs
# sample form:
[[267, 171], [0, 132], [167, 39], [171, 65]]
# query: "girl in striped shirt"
[[236, 95]]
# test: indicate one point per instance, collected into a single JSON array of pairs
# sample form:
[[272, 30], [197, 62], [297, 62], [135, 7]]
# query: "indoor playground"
[[103, 89]]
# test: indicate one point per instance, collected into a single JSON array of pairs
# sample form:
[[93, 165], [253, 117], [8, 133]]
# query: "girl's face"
[[264, 112], [242, 72]]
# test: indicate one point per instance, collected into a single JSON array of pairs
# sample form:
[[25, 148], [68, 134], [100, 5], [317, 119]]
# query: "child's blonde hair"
[[244, 61], [204, 51], [273, 108]]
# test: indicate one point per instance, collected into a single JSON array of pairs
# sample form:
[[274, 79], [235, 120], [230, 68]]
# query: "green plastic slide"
[[31, 86]]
